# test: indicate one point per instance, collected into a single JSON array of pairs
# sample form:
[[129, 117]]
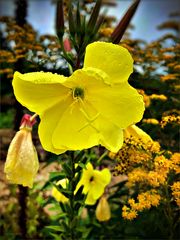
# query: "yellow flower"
[[90, 107], [22, 163], [161, 97], [128, 213], [176, 192], [58, 195], [94, 182], [103, 212]]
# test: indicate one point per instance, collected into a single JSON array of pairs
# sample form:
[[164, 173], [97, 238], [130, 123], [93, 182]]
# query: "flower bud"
[[103, 212], [22, 163]]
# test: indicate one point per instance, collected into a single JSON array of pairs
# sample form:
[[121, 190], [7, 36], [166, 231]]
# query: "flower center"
[[78, 92], [91, 179]]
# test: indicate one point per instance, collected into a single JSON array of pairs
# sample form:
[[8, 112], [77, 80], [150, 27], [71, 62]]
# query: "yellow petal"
[[137, 133], [113, 59], [85, 178], [111, 135], [119, 103], [103, 212], [22, 162], [73, 130], [48, 124], [90, 199], [39, 90], [58, 195], [101, 180]]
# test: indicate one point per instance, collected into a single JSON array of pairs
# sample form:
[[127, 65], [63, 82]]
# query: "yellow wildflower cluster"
[[176, 192], [169, 77], [23, 43], [145, 200], [170, 119], [134, 151], [175, 162]]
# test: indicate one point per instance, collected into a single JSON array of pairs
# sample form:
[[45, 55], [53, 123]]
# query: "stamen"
[[78, 92]]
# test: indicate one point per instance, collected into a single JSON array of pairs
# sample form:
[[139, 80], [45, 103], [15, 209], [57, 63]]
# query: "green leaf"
[[55, 228], [67, 170], [65, 192], [71, 20], [94, 16]]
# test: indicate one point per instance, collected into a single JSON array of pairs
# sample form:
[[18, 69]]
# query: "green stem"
[[72, 187], [169, 213]]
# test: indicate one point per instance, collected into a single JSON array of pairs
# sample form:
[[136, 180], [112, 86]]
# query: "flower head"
[[94, 182], [90, 107], [22, 161]]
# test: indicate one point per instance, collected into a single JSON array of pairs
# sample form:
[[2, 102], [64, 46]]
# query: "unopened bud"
[[22, 163], [103, 212]]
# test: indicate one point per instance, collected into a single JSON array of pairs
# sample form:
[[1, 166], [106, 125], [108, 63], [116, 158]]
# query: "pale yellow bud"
[[103, 212], [22, 163]]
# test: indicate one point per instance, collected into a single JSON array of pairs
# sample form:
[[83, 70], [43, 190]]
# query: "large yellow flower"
[[94, 182], [90, 107]]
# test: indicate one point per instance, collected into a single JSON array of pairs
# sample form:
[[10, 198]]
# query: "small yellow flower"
[[22, 163], [176, 192], [151, 121], [128, 213], [58, 195], [94, 182], [90, 107], [103, 212]]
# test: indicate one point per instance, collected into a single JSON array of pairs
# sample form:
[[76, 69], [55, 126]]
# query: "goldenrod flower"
[[176, 192], [90, 107], [22, 161], [128, 213], [94, 182], [58, 195], [103, 212], [151, 121]]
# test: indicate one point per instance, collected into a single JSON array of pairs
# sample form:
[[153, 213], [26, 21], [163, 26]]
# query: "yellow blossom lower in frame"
[[22, 163], [57, 194], [94, 182], [90, 107]]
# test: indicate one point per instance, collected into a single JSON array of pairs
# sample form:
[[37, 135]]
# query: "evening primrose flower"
[[94, 182], [90, 107], [22, 163]]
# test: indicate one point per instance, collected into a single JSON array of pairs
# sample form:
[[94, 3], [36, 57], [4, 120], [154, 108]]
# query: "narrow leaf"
[[94, 15], [71, 20], [60, 19], [123, 24]]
